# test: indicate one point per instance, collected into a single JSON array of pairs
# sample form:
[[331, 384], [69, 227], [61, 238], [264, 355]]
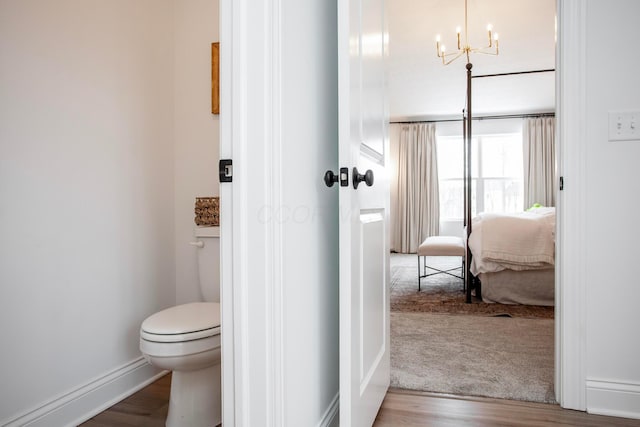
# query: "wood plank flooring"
[[146, 408], [401, 408]]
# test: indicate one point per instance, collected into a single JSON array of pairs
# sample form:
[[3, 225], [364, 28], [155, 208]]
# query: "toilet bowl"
[[185, 339]]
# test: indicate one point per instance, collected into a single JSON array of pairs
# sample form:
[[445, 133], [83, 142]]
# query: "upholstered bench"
[[440, 246]]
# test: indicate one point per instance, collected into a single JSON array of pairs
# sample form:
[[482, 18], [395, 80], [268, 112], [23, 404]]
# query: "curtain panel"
[[539, 155], [415, 211]]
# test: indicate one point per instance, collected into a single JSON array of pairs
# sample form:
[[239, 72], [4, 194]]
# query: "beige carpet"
[[440, 344], [507, 358]]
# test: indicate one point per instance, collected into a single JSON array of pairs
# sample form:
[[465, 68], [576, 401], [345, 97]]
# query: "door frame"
[[241, 373], [226, 224], [570, 319], [252, 363]]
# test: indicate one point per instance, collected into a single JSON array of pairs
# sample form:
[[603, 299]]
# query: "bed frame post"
[[467, 183]]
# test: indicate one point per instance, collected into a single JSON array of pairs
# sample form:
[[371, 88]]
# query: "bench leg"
[[422, 272], [418, 273], [464, 273]]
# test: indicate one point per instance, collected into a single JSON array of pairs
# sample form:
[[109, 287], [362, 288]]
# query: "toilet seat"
[[186, 322]]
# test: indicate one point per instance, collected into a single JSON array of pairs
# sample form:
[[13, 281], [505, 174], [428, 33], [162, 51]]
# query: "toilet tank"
[[208, 250]]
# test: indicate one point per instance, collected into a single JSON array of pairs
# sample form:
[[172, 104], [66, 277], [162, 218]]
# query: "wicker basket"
[[207, 211]]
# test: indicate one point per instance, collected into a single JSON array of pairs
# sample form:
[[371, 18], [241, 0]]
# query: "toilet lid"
[[183, 322]]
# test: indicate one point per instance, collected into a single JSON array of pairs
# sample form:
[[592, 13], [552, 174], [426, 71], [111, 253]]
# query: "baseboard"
[[90, 399], [613, 399], [331, 417]]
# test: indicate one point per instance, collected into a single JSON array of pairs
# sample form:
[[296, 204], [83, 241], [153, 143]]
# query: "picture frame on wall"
[[215, 78]]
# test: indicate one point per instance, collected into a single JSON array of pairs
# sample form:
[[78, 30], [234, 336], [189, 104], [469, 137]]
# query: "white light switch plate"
[[624, 126]]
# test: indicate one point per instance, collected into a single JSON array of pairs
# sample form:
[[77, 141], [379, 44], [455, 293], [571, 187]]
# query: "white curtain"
[[416, 214], [539, 161]]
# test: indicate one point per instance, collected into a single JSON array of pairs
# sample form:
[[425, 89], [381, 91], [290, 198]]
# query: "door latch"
[[225, 170], [343, 177]]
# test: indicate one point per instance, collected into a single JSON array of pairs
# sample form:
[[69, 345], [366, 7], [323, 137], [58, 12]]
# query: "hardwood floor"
[[401, 408], [146, 408]]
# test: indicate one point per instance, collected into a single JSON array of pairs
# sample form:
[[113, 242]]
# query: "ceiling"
[[421, 88]]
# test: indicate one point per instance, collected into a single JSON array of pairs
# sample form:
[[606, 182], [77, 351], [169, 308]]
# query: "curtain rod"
[[515, 73], [506, 116]]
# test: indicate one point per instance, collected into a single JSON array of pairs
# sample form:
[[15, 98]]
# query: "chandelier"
[[466, 49]]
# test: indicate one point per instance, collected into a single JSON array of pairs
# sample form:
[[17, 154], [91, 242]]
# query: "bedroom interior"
[[476, 172]]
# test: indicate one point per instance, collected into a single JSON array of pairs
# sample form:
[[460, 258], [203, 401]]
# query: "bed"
[[509, 258], [513, 256]]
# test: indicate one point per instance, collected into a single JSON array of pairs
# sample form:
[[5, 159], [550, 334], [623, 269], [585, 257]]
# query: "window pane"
[[502, 156], [496, 166], [474, 197], [451, 157], [475, 159], [451, 199], [503, 195]]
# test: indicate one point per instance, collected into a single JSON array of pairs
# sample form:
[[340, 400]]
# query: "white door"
[[364, 212]]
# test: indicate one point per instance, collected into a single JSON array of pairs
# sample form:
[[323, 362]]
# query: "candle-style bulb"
[[438, 38], [489, 28], [495, 36], [458, 29]]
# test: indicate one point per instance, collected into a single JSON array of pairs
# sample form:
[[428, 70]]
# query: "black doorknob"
[[330, 178], [358, 178]]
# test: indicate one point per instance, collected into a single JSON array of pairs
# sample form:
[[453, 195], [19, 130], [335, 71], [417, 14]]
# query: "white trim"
[[570, 326], [613, 398], [344, 209], [275, 257], [230, 358], [88, 400], [331, 416], [252, 248]]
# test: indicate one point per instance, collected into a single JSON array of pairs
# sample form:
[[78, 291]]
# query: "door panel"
[[372, 294]]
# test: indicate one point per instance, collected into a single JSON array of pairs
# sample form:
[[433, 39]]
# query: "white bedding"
[[522, 241]]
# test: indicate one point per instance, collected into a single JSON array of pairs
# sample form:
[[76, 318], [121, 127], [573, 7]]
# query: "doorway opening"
[[499, 345]]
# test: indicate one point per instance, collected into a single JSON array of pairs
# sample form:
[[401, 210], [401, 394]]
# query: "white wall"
[[196, 150], [612, 235], [87, 183]]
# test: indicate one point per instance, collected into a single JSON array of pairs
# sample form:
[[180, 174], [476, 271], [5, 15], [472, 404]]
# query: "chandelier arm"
[[486, 53], [458, 55]]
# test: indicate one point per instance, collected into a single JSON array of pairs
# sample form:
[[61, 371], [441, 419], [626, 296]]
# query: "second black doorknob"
[[358, 178]]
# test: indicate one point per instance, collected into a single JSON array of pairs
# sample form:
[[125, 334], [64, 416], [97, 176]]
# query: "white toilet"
[[186, 340]]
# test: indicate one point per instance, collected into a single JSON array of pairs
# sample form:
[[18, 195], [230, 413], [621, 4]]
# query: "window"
[[496, 170]]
